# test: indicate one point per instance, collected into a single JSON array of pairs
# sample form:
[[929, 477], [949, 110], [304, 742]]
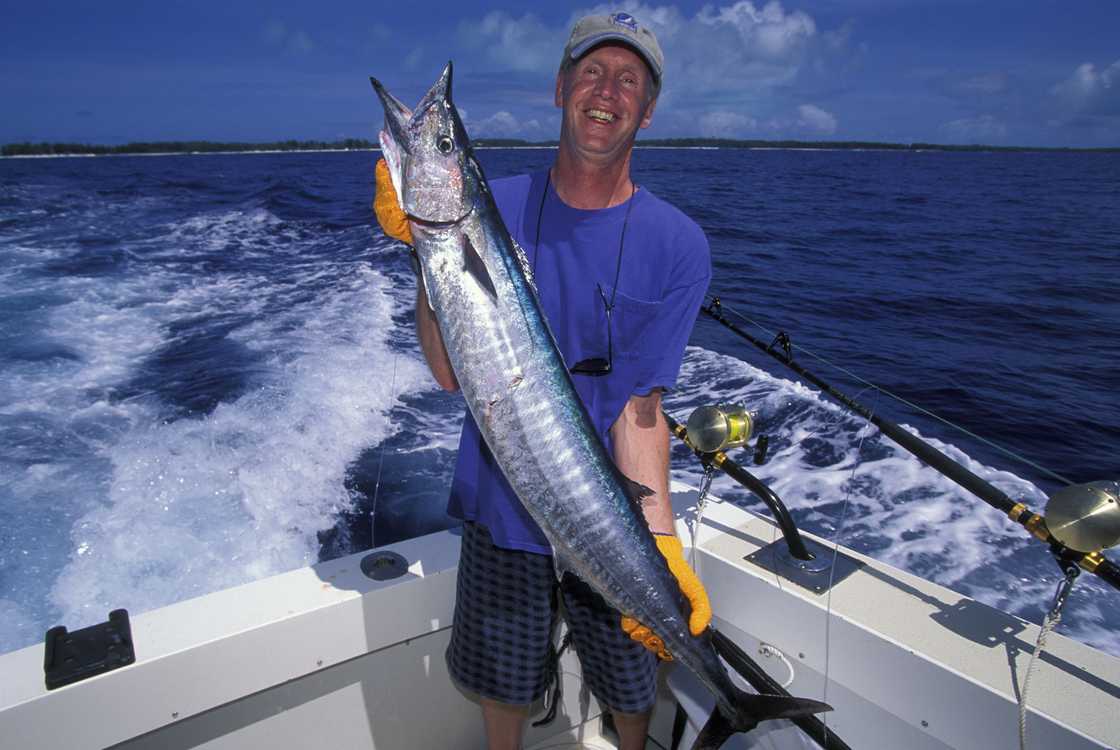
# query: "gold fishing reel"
[[1085, 517], [719, 428]]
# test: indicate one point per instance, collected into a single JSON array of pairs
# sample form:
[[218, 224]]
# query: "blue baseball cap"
[[618, 27]]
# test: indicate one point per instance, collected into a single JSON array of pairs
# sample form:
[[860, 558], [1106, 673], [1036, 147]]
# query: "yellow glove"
[[673, 552], [387, 207]]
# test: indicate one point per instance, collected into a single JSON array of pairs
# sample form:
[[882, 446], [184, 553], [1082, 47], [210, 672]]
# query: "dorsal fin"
[[526, 268]]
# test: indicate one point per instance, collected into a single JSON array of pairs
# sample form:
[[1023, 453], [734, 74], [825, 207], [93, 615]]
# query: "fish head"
[[428, 153]]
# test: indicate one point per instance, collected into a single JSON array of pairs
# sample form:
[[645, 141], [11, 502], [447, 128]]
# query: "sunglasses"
[[592, 365], [599, 365]]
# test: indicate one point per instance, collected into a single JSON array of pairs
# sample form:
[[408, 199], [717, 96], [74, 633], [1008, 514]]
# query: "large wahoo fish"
[[520, 393]]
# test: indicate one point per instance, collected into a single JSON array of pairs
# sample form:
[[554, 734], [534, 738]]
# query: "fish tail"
[[715, 732], [749, 709]]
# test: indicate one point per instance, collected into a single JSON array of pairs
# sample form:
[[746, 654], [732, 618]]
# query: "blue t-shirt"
[[664, 273]]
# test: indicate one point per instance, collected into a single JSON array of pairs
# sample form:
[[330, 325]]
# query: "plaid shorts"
[[501, 638]]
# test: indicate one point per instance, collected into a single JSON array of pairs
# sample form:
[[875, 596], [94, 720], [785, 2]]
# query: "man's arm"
[[641, 452], [431, 342]]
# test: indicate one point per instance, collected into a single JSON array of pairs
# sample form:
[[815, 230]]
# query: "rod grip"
[[1110, 572]]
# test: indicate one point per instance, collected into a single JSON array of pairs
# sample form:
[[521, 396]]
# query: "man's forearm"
[[431, 342], [641, 452]]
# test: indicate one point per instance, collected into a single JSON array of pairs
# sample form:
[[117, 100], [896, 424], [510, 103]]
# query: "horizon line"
[[73, 148]]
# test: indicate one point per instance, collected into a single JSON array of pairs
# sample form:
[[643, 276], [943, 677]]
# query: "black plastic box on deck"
[[71, 657]]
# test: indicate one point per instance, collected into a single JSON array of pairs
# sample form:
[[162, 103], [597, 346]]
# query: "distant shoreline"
[[170, 148], [75, 155]]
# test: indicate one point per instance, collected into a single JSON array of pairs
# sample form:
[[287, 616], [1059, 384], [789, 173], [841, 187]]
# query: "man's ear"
[[647, 116], [559, 96]]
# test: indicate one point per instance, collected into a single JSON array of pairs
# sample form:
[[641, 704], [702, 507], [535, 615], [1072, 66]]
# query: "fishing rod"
[[713, 454], [710, 432], [1080, 521]]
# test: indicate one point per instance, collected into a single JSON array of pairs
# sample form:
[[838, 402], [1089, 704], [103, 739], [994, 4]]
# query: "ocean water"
[[208, 371]]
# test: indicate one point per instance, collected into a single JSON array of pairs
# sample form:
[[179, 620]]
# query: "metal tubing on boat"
[[1035, 524], [754, 484]]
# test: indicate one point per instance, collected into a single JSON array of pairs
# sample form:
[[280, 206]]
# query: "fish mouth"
[[600, 115], [440, 224]]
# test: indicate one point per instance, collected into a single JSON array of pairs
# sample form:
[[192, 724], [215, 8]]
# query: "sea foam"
[[843, 480]]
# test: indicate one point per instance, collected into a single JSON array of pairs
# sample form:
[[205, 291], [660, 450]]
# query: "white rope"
[[765, 649], [1053, 617]]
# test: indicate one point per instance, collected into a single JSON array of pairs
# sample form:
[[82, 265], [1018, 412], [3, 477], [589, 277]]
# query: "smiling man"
[[620, 275]]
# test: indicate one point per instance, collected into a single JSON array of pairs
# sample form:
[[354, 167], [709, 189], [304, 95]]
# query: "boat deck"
[[325, 656]]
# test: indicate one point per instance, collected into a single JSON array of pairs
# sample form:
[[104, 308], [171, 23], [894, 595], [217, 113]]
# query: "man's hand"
[[673, 552], [387, 207]]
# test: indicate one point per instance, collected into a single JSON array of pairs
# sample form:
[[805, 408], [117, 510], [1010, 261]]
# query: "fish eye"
[[445, 145]]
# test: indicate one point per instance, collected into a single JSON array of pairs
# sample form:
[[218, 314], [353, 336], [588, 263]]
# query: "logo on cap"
[[624, 19]]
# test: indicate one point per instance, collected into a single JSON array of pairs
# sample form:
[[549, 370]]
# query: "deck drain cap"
[[384, 565]]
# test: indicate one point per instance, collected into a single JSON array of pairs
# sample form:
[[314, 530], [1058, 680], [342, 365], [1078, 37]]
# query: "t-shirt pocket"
[[632, 322]]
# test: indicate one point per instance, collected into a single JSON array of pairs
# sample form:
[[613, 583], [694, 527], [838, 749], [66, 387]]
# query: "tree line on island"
[[361, 144], [180, 147]]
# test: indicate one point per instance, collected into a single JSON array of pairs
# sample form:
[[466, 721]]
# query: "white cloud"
[[1085, 81], [837, 40], [278, 34], [995, 82], [300, 42], [413, 59], [975, 129], [750, 56], [733, 48], [963, 83], [813, 119], [766, 33], [503, 124], [739, 47], [522, 44], [275, 32], [724, 124], [1092, 91]]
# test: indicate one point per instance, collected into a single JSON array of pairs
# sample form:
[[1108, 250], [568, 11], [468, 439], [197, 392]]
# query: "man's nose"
[[607, 88]]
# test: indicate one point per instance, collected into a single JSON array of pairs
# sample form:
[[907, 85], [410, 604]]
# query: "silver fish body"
[[520, 392]]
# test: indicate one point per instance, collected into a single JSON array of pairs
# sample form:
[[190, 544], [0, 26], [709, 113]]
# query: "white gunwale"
[[326, 655]]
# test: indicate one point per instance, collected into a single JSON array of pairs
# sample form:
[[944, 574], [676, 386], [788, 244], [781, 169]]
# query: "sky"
[[1025, 73]]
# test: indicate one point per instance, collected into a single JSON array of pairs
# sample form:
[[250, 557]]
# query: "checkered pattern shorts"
[[505, 607]]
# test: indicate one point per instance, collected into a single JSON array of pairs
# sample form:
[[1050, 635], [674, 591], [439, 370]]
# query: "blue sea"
[[208, 372]]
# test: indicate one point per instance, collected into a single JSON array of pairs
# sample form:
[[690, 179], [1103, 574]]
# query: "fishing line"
[[836, 556], [995, 446], [381, 457], [1053, 617], [701, 503]]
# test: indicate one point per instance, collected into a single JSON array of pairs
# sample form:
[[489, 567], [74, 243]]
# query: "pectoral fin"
[[636, 493], [476, 267]]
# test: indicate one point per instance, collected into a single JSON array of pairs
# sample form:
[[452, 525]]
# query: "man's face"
[[606, 95]]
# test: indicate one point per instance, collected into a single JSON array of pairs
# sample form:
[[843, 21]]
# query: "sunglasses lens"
[[598, 365], [593, 366]]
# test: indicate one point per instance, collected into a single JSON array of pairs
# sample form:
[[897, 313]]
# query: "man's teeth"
[[600, 115]]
